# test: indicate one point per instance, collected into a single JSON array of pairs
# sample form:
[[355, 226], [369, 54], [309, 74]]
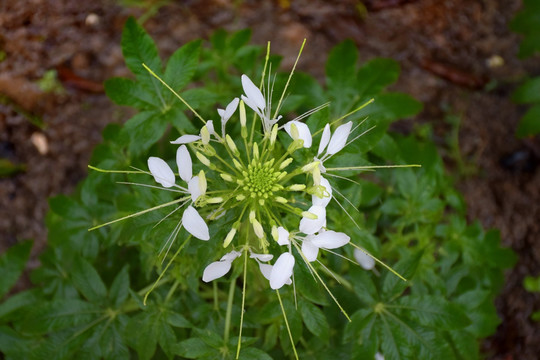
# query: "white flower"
[[163, 174], [327, 194], [311, 226], [334, 143], [256, 101], [325, 240], [365, 261], [219, 268], [379, 356], [281, 271], [226, 113], [302, 130]]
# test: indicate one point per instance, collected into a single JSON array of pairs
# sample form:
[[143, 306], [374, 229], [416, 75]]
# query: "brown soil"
[[443, 47]]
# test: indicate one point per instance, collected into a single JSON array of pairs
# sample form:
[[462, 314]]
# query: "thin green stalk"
[[174, 92], [228, 314], [243, 302], [287, 325]]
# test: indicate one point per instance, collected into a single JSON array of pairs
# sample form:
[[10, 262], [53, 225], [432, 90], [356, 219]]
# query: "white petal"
[[330, 239], [266, 270], [186, 139], [194, 224], [183, 161], [325, 138], [216, 270], [303, 132], [282, 270], [210, 127], [221, 112], [253, 93], [283, 236], [311, 226], [161, 171], [364, 259], [379, 356], [193, 188], [230, 256], [229, 110], [339, 139], [262, 257], [309, 250], [325, 200]]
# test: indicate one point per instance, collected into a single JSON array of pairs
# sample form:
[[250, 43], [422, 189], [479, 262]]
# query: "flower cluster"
[[261, 182]]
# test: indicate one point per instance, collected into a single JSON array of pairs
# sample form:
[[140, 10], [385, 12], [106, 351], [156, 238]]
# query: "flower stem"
[[243, 302], [228, 314], [287, 324]]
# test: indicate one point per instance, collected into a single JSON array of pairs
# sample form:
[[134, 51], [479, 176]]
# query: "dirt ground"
[[450, 51]]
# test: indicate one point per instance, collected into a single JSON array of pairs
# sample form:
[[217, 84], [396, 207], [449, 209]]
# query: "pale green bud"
[[285, 163], [242, 114], [203, 159], [214, 200], [297, 187], [257, 227], [309, 215], [255, 151], [309, 167], [202, 182], [205, 135], [273, 135], [251, 216], [232, 145], [226, 177], [229, 237], [240, 197], [237, 164], [280, 199]]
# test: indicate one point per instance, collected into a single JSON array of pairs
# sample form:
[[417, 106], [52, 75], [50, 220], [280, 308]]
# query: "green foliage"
[[88, 295], [527, 23], [532, 284]]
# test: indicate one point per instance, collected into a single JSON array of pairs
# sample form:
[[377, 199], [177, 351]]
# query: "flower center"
[[260, 180]]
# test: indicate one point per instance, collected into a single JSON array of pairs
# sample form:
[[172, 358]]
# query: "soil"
[[458, 57]]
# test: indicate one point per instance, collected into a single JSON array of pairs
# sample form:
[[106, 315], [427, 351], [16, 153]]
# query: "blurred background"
[[459, 57]]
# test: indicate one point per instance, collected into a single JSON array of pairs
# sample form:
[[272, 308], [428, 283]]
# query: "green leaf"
[[119, 290], [139, 48], [131, 93], [18, 301], [406, 267], [529, 125], [182, 65], [193, 348], [12, 263], [57, 315], [341, 65], [253, 354], [433, 311], [144, 342], [144, 130], [375, 75], [87, 280], [528, 92], [177, 320], [314, 319], [7, 168], [532, 284], [390, 107]]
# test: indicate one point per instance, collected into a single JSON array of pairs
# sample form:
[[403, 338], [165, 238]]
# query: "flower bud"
[[229, 237]]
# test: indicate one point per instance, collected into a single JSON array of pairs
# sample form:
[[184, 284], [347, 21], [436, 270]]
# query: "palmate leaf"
[[12, 263], [314, 319], [139, 48], [87, 280], [432, 311]]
